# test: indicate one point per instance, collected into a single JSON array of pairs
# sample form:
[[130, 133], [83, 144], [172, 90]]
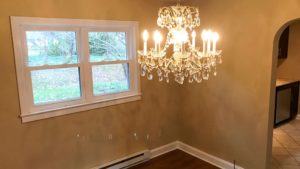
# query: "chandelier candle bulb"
[[145, 38]]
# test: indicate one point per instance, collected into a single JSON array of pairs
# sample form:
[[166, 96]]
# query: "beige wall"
[[53, 143], [229, 116], [290, 68]]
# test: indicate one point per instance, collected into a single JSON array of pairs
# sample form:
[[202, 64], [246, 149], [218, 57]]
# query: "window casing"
[[85, 70]]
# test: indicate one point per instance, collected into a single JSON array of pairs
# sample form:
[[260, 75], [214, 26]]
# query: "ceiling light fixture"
[[186, 60]]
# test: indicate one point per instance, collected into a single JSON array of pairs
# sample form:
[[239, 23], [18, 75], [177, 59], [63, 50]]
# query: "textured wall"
[[290, 68], [230, 116], [53, 143]]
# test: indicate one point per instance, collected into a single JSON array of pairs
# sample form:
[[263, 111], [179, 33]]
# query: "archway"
[[275, 62]]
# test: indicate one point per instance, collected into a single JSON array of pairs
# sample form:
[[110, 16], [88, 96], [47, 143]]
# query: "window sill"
[[78, 108]]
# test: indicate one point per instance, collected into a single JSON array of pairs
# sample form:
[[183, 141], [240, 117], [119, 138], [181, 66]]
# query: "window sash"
[[27, 69], [130, 61], [25, 29]]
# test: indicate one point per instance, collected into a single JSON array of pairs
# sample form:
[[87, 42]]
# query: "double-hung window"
[[68, 65]]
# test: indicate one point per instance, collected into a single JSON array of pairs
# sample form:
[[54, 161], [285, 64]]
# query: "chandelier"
[[185, 60]]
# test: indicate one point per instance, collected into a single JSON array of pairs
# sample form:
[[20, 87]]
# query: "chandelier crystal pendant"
[[186, 61]]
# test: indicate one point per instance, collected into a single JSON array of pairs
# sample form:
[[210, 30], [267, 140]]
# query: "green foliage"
[[55, 48], [48, 46], [110, 87], [59, 93], [53, 85], [107, 46]]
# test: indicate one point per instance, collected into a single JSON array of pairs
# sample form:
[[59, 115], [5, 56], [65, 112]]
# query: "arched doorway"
[[285, 151]]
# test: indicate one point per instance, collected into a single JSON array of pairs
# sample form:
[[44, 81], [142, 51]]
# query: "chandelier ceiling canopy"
[[185, 61]]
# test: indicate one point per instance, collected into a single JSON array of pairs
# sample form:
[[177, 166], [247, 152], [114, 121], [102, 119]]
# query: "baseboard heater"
[[129, 161]]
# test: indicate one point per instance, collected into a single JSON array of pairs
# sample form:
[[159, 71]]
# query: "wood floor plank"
[[176, 159]]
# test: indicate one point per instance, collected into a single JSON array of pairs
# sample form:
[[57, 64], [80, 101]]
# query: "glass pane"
[[53, 85], [107, 46], [283, 109], [110, 78], [51, 48]]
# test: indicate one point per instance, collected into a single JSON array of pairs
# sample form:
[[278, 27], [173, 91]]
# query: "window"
[[67, 65]]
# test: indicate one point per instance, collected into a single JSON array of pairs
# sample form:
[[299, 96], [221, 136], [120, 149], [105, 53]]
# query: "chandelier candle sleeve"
[[194, 39], [145, 38], [215, 39], [204, 39], [209, 38], [157, 39]]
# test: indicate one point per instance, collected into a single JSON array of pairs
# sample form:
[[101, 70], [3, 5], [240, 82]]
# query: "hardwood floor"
[[175, 160]]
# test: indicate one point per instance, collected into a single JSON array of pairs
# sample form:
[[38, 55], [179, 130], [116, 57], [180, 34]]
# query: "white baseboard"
[[194, 152], [218, 162], [206, 157], [163, 149]]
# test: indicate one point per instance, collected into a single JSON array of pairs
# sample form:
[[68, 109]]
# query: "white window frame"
[[31, 112]]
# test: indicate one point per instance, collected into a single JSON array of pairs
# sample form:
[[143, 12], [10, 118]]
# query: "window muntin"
[[78, 78]]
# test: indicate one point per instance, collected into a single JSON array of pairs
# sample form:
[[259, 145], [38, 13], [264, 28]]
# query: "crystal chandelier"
[[185, 61]]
